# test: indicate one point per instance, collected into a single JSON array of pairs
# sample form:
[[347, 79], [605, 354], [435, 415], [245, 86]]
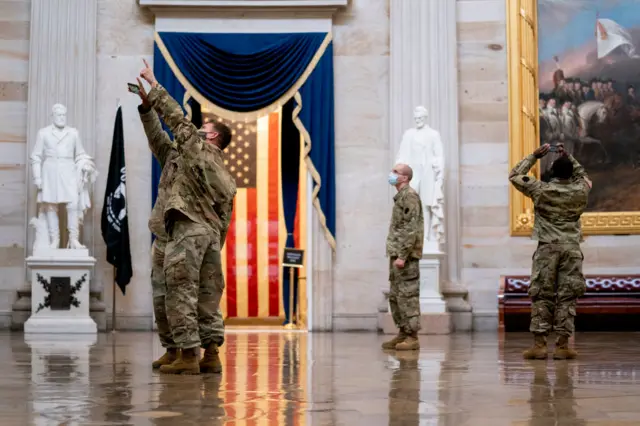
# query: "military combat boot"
[[411, 343], [563, 351], [187, 363], [210, 362], [539, 349], [170, 356], [391, 344]]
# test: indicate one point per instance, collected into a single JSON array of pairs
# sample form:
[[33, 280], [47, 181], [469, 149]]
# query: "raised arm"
[[158, 139], [185, 134], [578, 171], [520, 179]]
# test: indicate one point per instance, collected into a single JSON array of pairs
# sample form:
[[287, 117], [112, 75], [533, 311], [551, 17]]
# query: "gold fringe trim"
[[186, 106], [312, 169], [242, 116]]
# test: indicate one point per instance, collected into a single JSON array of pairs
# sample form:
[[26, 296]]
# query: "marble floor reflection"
[[273, 378]]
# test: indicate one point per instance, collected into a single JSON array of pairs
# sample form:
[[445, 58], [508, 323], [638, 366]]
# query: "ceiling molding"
[[325, 6]]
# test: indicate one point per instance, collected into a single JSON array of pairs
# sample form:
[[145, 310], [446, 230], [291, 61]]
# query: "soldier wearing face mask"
[[404, 249]]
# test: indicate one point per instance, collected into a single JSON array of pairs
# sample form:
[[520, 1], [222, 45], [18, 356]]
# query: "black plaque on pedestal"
[[60, 292], [293, 258]]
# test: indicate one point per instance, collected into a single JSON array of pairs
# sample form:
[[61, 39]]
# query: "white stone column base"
[[430, 323], [75, 265], [38, 326], [431, 301]]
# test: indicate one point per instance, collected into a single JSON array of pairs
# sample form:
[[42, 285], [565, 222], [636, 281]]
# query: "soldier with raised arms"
[[556, 274], [195, 212]]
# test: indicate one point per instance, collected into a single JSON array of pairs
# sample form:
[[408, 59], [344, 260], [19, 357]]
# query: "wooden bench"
[[611, 303]]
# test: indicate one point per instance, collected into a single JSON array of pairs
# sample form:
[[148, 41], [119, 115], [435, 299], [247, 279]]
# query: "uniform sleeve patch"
[[525, 179]]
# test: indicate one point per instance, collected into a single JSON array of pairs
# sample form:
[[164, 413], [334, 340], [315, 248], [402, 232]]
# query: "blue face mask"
[[393, 179]]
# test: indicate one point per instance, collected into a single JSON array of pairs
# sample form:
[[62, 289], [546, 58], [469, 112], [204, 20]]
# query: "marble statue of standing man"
[[421, 149], [63, 173]]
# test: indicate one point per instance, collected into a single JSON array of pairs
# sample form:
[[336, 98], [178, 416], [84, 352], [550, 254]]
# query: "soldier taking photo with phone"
[[556, 274]]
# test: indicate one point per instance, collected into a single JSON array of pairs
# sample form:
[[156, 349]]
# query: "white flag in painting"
[[611, 36]]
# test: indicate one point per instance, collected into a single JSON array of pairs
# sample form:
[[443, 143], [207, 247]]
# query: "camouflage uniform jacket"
[[197, 183], [406, 231], [558, 204]]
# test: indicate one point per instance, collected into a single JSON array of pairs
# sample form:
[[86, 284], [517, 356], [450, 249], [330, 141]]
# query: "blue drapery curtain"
[[238, 74]]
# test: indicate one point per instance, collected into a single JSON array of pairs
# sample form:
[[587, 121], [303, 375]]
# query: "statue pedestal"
[[434, 318], [60, 281], [431, 301]]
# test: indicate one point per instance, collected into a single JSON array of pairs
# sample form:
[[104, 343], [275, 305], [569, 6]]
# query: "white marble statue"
[[421, 149], [64, 174]]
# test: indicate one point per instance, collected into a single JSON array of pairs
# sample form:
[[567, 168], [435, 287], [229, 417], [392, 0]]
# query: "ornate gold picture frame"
[[522, 56]]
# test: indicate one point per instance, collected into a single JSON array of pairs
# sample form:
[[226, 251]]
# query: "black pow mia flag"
[[115, 221]]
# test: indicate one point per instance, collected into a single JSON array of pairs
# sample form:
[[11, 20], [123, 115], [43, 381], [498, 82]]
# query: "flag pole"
[[113, 309]]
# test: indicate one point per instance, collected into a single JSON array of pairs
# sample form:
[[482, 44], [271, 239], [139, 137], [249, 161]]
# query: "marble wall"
[[125, 37], [362, 161], [14, 74]]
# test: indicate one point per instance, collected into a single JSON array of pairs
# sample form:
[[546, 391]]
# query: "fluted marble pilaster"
[[424, 72], [62, 69], [321, 259]]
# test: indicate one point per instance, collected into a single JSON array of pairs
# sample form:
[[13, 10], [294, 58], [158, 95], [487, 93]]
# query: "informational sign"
[[293, 258]]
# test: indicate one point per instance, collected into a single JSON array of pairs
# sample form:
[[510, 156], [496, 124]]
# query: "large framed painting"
[[574, 77]]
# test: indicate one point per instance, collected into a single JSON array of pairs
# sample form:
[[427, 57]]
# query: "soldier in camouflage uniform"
[[196, 213], [556, 274], [166, 152], [404, 249]]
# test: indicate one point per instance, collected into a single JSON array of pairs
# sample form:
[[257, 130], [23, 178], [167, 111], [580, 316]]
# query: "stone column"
[[62, 69], [424, 72], [322, 260]]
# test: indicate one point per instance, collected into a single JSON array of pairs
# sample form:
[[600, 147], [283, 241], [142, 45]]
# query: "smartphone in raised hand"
[[133, 88]]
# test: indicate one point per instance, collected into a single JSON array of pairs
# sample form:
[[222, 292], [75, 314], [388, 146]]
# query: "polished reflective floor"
[[273, 378]]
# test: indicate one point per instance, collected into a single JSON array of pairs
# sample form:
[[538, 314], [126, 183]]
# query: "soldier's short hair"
[[224, 134], [407, 171], [562, 168]]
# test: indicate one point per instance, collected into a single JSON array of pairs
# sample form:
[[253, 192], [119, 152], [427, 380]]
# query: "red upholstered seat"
[[606, 295]]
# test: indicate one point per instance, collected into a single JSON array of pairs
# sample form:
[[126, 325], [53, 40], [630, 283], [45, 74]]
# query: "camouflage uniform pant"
[[404, 295], [556, 284], [159, 291], [195, 283]]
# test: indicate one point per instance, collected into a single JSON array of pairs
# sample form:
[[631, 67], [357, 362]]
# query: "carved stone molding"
[[258, 5], [424, 72]]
